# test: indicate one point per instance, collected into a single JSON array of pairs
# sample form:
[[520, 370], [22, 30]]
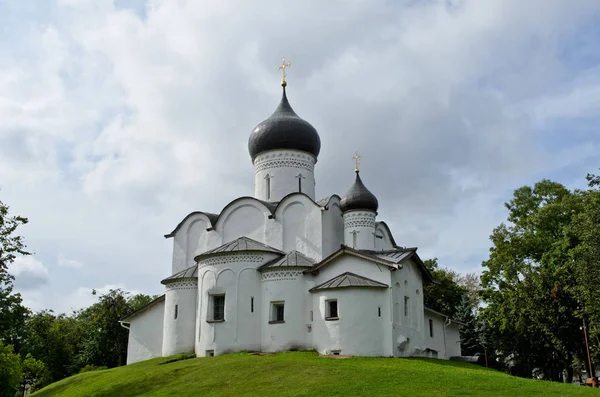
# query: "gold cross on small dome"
[[356, 158], [282, 68]]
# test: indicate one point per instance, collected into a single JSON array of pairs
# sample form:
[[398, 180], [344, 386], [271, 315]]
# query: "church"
[[281, 270]]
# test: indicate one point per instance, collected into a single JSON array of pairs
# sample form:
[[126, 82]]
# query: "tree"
[[470, 344], [34, 372], [446, 295], [10, 371], [104, 339], [12, 312], [55, 340], [532, 281]]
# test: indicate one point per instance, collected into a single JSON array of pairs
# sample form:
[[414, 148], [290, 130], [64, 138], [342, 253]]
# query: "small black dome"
[[358, 197], [284, 130]]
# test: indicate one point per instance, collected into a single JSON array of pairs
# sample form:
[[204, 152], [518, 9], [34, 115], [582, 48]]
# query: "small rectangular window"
[[336, 352], [277, 312], [217, 308], [406, 302], [311, 315], [430, 328], [210, 353], [176, 311], [331, 310], [379, 311], [251, 304]]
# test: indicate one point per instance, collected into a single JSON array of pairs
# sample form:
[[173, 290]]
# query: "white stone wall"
[[300, 222], [288, 286], [408, 335], [333, 228], [235, 276], [359, 229], [360, 329], [453, 340], [146, 335], [283, 168], [348, 263], [189, 239], [383, 240], [438, 341], [179, 332]]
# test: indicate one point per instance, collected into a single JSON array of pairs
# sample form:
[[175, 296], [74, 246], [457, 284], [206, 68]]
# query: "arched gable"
[[383, 237], [301, 224], [188, 237], [243, 217]]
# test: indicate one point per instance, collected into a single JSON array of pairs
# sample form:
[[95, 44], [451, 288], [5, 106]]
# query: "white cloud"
[[29, 273], [115, 124], [70, 263]]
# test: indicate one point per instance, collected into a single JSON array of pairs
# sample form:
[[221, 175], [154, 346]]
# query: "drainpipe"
[[446, 323], [122, 323]]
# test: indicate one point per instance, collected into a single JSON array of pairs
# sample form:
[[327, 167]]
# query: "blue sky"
[[118, 118]]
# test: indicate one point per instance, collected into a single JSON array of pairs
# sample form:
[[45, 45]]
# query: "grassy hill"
[[303, 374]]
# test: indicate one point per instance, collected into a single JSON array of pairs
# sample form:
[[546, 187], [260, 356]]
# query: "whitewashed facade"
[[281, 271]]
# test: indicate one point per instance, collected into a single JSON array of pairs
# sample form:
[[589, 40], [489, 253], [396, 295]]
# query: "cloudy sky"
[[119, 117]]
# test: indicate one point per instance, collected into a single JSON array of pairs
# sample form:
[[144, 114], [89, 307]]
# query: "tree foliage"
[[541, 279], [10, 371], [34, 373], [12, 312], [445, 295]]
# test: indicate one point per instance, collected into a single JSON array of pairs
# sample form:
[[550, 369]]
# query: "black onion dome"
[[358, 197], [284, 130]]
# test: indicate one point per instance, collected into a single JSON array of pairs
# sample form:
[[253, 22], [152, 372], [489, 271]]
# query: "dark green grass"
[[303, 374]]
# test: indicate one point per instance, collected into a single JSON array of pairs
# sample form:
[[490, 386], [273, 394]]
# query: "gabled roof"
[[345, 250], [391, 258], [190, 272], [144, 308], [293, 259], [399, 255], [240, 244], [349, 280], [444, 315]]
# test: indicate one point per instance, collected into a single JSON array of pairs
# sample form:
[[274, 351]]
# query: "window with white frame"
[[277, 312], [331, 309], [430, 328], [216, 310]]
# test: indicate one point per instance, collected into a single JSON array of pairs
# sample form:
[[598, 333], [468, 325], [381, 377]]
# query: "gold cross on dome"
[[356, 158], [282, 68]]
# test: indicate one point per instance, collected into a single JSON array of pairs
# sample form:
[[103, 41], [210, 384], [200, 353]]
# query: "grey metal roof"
[[349, 280], [395, 256], [284, 129], [190, 272], [241, 244], [293, 259]]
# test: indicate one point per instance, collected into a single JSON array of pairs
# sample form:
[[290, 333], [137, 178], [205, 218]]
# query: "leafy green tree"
[[469, 336], [55, 340], [34, 372], [104, 339], [445, 295], [12, 312], [533, 281], [10, 371]]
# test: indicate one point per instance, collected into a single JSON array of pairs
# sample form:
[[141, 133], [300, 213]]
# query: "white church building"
[[280, 270]]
